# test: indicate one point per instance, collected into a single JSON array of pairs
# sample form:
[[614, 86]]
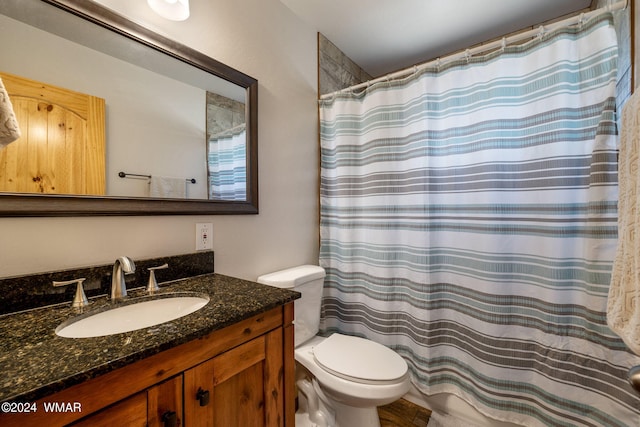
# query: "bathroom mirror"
[[198, 87]]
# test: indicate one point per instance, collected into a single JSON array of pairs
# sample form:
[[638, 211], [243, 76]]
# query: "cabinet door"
[[164, 404], [158, 406], [242, 387], [130, 412]]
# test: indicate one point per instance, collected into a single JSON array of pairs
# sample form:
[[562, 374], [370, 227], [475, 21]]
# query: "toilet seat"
[[359, 360]]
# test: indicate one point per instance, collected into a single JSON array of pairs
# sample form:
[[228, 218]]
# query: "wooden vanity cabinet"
[[237, 376]]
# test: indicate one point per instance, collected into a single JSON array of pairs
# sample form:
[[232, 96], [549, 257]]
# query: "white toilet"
[[341, 379]]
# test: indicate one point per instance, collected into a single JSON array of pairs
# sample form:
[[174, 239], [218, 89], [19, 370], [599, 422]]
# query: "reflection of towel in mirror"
[[163, 186], [9, 130]]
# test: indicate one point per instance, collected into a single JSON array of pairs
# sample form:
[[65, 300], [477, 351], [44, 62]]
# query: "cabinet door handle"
[[203, 396], [170, 419]]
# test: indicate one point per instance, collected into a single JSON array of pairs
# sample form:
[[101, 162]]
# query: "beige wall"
[[261, 38]]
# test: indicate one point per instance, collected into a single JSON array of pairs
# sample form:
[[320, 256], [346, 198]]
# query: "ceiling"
[[383, 36]]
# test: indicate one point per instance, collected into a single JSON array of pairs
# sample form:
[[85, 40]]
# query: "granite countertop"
[[35, 362]]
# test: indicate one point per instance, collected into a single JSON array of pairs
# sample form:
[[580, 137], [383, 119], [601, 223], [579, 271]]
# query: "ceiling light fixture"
[[175, 10]]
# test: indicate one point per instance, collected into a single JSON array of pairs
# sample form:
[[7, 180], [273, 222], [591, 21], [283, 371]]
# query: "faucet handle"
[[80, 299], [153, 284]]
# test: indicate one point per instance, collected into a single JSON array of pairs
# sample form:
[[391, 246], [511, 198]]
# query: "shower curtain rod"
[[505, 41]]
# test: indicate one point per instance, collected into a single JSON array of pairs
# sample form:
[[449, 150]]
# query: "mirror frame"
[[38, 205]]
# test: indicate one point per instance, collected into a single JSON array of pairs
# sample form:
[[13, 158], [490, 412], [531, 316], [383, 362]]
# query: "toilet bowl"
[[341, 379]]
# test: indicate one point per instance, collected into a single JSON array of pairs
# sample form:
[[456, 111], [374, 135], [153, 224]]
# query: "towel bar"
[[126, 175]]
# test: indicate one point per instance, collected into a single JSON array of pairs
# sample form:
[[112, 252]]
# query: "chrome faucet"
[[122, 266]]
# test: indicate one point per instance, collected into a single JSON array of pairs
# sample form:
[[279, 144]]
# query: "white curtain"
[[468, 220]]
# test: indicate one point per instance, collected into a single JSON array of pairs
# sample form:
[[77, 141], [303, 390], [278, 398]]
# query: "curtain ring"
[[467, 55], [504, 43], [540, 32], [581, 20], [438, 64]]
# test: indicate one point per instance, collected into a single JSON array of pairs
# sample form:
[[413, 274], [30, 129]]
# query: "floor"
[[403, 413]]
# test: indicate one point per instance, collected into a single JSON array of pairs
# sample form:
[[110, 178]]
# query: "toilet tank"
[[308, 280]]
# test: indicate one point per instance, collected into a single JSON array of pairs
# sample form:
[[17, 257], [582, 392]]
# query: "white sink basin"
[[139, 315]]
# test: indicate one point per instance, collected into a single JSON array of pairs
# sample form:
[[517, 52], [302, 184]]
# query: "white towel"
[[9, 129], [163, 186], [623, 305]]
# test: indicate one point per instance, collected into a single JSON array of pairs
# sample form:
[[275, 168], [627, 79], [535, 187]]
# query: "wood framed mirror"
[[151, 48]]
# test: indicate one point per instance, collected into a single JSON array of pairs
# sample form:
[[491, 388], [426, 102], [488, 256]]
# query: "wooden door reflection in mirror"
[[62, 147]]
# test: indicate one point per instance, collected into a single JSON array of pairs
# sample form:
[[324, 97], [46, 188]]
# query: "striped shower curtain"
[[468, 220], [227, 165]]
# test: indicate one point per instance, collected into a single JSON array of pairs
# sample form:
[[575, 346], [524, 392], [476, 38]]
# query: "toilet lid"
[[359, 359]]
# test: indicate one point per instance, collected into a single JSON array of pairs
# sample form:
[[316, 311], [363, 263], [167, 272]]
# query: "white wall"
[[261, 38]]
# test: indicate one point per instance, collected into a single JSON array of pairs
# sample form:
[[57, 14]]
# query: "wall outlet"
[[204, 240]]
